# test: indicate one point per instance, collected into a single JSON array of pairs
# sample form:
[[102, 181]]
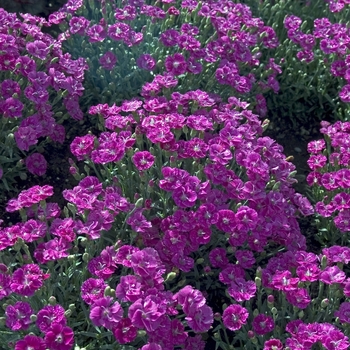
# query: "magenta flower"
[[27, 280], [119, 31], [92, 289], [234, 317], [189, 298], [25, 137], [105, 313], [78, 25], [108, 60], [200, 318], [96, 33], [49, 315], [242, 290], [30, 342], [273, 344], [36, 164], [129, 288], [184, 197], [143, 160], [299, 298], [100, 268], [5, 282], [343, 313], [11, 108], [59, 337], [263, 324], [218, 258], [125, 331], [38, 49], [146, 61], [176, 64], [147, 313], [18, 316], [331, 275]]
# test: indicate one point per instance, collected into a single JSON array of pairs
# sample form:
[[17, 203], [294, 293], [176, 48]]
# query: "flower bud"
[[33, 318], [68, 313], [324, 303], [86, 257], [251, 334], [255, 312], [217, 316], [258, 281], [301, 314], [170, 276], [72, 307], [274, 311], [52, 300]]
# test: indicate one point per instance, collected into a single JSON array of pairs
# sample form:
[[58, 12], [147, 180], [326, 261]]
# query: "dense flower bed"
[[181, 230]]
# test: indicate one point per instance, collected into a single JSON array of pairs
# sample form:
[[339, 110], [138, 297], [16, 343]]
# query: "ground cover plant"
[[179, 225]]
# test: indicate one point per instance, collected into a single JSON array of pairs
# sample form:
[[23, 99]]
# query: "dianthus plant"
[[214, 46], [37, 78]]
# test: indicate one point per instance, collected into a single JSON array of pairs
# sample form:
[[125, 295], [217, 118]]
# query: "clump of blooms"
[[182, 223]]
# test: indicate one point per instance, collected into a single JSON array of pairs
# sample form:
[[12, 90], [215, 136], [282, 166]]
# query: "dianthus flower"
[[176, 64], [49, 315], [143, 160], [188, 297], [234, 317], [331, 275], [92, 289], [146, 61], [241, 290], [59, 337], [147, 313], [82, 146], [299, 297], [30, 342], [200, 318], [129, 288], [125, 331], [108, 60], [105, 313], [273, 344], [343, 313], [218, 257], [27, 280], [36, 164], [263, 324], [18, 316]]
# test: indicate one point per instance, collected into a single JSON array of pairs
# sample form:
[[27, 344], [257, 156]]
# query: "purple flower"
[[129, 288], [59, 337], [345, 93], [9, 88], [343, 313], [147, 313], [176, 64], [38, 49], [299, 297], [119, 31], [108, 60], [27, 280], [331, 275], [30, 342], [36, 164], [49, 315], [242, 290], [105, 313], [127, 13], [82, 146], [125, 331], [92, 289], [234, 317], [96, 33], [18, 316], [263, 324], [200, 318], [11, 108], [146, 61], [189, 298], [143, 160], [78, 25]]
